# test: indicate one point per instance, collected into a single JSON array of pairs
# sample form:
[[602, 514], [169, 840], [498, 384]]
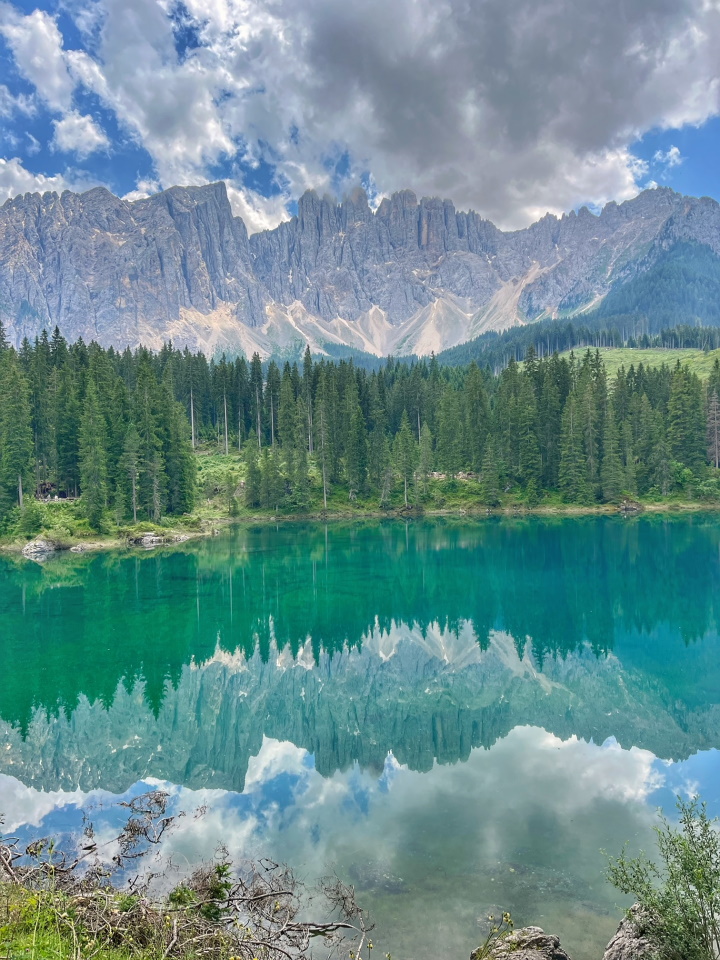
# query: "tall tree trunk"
[[226, 424]]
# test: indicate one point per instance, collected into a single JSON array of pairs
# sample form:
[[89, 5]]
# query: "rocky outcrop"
[[39, 549], [412, 276], [532, 943], [630, 942], [527, 943]]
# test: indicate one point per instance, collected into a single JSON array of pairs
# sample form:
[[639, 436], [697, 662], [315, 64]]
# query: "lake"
[[458, 717]]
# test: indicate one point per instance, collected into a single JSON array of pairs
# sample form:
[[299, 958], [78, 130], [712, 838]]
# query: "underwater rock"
[[375, 875]]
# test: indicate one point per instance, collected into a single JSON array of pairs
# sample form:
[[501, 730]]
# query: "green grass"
[[699, 361], [35, 926]]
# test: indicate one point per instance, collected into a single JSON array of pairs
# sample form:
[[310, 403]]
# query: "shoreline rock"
[[629, 942], [526, 943], [39, 549], [532, 943]]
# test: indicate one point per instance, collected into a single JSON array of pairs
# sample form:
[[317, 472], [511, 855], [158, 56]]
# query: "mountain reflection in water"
[[316, 688]]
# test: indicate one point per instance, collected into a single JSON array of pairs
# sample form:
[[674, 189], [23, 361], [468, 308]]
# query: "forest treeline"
[[119, 428], [495, 350]]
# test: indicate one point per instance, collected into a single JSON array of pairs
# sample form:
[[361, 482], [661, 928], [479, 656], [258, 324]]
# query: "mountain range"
[[410, 277]]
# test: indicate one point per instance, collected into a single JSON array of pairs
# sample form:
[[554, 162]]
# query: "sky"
[[512, 108]]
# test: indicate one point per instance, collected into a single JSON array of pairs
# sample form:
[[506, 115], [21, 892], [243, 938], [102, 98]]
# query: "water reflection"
[[80, 625], [318, 688], [519, 826], [423, 695]]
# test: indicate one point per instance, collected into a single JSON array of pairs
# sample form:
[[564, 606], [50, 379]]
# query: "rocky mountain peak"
[[412, 276]]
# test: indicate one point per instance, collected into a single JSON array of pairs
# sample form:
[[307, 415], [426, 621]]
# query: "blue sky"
[[508, 107]]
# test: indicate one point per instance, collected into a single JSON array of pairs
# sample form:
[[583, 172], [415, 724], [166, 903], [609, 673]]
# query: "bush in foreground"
[[679, 894], [74, 904]]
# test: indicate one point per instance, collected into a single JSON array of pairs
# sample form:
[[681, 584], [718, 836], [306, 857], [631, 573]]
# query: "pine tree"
[[713, 429], [16, 439], [130, 467], [67, 431], [253, 480], [573, 471], [152, 479], [405, 453], [660, 464], [477, 417], [449, 439], [686, 423], [300, 476], [530, 462], [549, 425], [425, 459], [93, 458], [356, 454], [490, 485], [611, 471]]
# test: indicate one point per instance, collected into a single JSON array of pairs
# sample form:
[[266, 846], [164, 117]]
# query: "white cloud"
[[143, 189], [34, 144], [668, 158], [10, 104], [78, 134], [37, 47], [503, 106], [15, 179], [258, 212]]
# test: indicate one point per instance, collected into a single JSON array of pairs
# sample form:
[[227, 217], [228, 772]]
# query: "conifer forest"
[[123, 432]]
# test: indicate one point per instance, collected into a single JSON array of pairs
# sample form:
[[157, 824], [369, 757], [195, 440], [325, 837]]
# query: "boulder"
[[146, 540], [526, 943], [39, 549], [630, 941]]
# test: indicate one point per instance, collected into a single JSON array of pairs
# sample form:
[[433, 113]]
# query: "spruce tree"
[[130, 469], [253, 479], [686, 423], [405, 453], [490, 481], [573, 470], [611, 471], [713, 429], [425, 459], [356, 454], [16, 438], [530, 462], [93, 458]]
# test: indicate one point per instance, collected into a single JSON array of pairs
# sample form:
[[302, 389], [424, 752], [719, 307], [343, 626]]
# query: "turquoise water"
[[457, 717]]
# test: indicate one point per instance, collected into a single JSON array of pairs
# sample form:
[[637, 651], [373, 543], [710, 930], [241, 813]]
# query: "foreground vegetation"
[[97, 444], [678, 891], [78, 903]]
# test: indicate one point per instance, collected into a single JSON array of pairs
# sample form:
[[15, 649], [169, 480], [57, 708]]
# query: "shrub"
[[680, 894]]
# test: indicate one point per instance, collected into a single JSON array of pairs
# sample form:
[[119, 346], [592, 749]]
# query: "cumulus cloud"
[[15, 179], [37, 46], [258, 212], [510, 107], [79, 134]]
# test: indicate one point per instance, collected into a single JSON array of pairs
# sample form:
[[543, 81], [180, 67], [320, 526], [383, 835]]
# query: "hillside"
[[700, 362]]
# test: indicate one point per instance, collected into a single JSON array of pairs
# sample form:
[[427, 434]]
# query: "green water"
[[456, 716]]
